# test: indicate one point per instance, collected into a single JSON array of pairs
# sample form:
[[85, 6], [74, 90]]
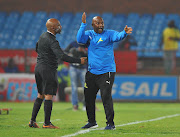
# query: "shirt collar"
[[98, 33], [51, 33]]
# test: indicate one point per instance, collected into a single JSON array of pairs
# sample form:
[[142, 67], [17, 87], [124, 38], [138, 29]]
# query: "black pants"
[[61, 93], [93, 83]]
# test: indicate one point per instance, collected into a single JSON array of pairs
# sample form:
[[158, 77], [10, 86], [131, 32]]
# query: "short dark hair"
[[171, 24]]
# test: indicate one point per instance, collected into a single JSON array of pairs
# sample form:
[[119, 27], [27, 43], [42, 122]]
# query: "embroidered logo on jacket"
[[99, 40]]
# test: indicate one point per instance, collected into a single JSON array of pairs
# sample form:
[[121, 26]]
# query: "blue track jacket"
[[100, 50]]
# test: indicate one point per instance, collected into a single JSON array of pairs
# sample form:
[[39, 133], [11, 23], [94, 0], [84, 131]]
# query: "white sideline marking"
[[51, 120], [131, 123]]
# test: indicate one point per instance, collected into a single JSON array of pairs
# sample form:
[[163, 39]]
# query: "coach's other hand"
[[83, 60], [84, 17], [128, 30]]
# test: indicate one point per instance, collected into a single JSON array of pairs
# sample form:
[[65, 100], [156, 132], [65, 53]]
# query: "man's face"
[[98, 24], [58, 28]]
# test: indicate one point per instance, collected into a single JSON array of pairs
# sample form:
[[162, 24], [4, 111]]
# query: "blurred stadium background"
[[140, 74]]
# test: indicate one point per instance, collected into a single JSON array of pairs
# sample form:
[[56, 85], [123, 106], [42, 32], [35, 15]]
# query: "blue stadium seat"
[[14, 15], [41, 15], [6, 34], [70, 14], [173, 17], [147, 15], [118, 15], [3, 44], [132, 18], [29, 44], [78, 15], [15, 44], [160, 16], [19, 37], [66, 18], [21, 31], [140, 54], [107, 16], [54, 14], [28, 14], [91, 15]]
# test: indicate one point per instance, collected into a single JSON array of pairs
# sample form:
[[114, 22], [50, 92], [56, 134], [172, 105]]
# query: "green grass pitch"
[[70, 122]]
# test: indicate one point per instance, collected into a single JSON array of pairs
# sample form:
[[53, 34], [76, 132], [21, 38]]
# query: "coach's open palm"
[[128, 29], [83, 60], [84, 17]]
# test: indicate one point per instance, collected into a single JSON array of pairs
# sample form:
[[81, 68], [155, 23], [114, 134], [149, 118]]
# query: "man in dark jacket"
[[49, 52]]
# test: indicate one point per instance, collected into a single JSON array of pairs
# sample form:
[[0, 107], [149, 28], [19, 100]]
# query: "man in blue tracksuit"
[[101, 67]]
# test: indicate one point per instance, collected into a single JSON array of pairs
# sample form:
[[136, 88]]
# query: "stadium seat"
[[55, 15], [25, 28], [3, 44], [41, 15]]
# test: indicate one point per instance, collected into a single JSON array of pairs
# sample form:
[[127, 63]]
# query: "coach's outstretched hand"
[[83, 60], [128, 29], [84, 17]]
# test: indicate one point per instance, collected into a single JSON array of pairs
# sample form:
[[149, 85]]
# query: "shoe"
[[50, 126], [109, 127], [75, 107], [90, 125], [33, 124], [84, 108]]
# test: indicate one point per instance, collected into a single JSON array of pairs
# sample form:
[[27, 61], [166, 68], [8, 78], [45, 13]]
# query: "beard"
[[58, 31]]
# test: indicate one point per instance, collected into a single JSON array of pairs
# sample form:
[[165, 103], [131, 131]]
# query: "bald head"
[[53, 25], [96, 18], [98, 24]]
